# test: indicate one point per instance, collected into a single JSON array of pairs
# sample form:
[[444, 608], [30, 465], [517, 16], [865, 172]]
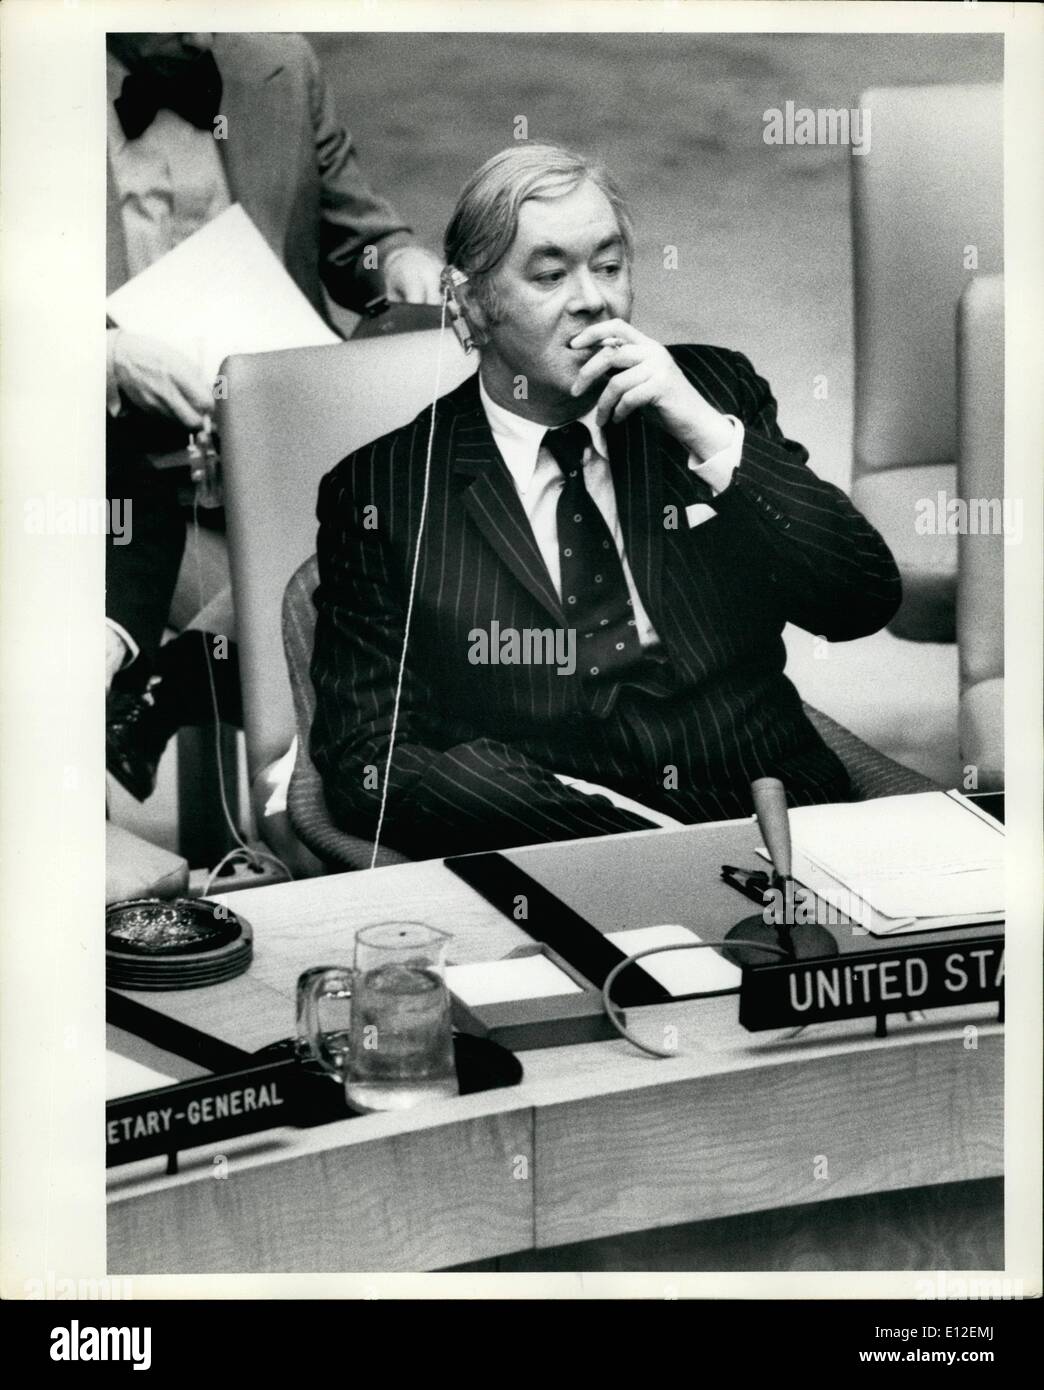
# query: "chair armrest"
[[312, 824], [871, 773], [305, 803], [268, 792]]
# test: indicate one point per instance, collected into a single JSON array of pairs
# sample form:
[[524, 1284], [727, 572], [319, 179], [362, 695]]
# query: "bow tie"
[[194, 94]]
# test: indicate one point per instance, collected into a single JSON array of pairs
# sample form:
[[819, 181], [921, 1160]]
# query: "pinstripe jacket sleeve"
[[829, 570]]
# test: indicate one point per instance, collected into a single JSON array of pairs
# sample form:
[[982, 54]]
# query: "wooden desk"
[[597, 1140]]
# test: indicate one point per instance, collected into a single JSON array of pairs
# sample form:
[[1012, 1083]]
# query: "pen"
[[752, 883]]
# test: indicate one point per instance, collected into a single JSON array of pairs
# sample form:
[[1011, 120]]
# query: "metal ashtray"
[[181, 944]]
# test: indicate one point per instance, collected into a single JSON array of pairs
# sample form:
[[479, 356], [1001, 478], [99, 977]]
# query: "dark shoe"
[[134, 742]]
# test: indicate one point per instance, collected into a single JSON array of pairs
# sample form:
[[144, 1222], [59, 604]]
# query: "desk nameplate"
[[874, 983], [214, 1108]]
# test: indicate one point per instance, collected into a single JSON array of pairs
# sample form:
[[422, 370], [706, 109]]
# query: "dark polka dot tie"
[[595, 598]]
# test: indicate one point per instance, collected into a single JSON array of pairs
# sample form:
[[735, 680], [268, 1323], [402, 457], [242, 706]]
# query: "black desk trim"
[[180, 1038], [549, 920]]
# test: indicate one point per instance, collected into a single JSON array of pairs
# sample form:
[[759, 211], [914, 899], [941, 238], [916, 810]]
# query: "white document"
[[926, 833], [850, 904], [220, 291], [125, 1077], [680, 972], [519, 977], [939, 895], [901, 862], [817, 883]]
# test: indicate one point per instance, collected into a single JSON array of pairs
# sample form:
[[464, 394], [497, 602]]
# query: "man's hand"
[[160, 379], [411, 276], [646, 375]]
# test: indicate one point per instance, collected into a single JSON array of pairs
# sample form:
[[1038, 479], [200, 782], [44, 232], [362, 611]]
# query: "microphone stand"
[[801, 941]]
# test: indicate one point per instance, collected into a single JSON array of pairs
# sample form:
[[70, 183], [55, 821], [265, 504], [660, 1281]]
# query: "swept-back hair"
[[485, 221]]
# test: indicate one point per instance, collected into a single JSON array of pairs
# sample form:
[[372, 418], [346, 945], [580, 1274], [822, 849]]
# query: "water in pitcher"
[[402, 1044]]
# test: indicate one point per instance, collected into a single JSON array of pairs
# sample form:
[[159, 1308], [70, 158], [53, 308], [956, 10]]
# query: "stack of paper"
[[222, 290], [897, 860]]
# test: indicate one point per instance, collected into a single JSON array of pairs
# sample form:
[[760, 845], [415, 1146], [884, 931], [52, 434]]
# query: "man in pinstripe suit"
[[589, 482]]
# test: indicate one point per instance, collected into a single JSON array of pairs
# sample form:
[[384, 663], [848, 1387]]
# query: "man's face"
[[567, 268], [164, 54]]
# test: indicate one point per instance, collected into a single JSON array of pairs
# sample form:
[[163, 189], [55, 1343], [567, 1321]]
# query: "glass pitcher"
[[400, 1040]]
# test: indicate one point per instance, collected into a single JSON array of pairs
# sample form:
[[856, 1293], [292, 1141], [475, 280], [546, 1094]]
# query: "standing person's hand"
[[160, 379], [411, 276]]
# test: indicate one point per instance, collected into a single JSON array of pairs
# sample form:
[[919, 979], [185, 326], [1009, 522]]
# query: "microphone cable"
[[610, 980]]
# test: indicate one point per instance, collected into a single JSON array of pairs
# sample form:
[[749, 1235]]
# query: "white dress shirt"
[[539, 481], [170, 180]]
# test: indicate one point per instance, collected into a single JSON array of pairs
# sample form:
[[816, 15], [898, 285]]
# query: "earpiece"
[[450, 279]]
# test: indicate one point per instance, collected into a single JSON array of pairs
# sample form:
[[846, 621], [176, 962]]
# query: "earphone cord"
[[413, 587]]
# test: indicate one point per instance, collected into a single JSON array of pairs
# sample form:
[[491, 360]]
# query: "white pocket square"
[[698, 513]]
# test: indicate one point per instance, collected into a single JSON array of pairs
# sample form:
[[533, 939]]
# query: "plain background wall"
[[762, 231]]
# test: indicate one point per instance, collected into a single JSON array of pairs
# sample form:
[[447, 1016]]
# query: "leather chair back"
[[930, 187], [287, 419], [927, 213], [980, 487]]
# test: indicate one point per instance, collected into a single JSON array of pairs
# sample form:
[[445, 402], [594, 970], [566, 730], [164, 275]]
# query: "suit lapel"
[[492, 501], [254, 98]]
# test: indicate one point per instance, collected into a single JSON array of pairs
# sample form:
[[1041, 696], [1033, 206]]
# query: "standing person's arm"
[[355, 217]]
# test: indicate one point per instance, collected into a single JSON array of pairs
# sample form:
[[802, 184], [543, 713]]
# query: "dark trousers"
[[141, 574], [487, 793]]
